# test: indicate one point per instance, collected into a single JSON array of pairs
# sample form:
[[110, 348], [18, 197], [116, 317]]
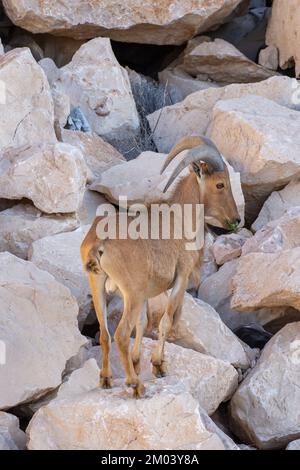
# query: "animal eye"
[[220, 186]]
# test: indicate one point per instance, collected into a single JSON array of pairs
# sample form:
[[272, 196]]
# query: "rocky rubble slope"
[[73, 115]]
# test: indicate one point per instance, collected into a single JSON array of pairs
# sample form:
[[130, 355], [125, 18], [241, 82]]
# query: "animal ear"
[[201, 168]]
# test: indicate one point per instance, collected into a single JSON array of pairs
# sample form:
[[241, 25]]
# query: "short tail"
[[93, 263]]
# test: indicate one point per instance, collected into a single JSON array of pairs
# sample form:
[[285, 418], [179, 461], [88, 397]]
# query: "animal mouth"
[[218, 230]]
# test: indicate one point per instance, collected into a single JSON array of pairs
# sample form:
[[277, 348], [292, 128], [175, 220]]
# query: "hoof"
[[105, 382], [138, 389], [159, 371]]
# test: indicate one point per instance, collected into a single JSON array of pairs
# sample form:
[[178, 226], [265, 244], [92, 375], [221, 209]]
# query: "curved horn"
[[185, 144], [206, 152]]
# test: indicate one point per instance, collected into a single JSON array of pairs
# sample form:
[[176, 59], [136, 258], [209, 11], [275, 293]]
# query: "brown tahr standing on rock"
[[143, 268]]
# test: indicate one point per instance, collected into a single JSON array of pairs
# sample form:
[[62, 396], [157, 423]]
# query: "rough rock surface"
[[193, 115], [199, 328], [265, 409], [110, 419], [46, 333], [283, 32], [281, 234], [27, 115], [11, 436], [97, 84], [269, 58], [191, 376], [179, 84], [221, 62], [59, 171], [294, 445], [153, 22], [277, 204], [261, 140], [99, 155], [217, 291], [229, 247], [23, 224], [60, 256], [280, 269]]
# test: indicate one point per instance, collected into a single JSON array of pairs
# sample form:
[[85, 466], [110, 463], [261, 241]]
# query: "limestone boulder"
[[167, 22], [59, 180], [110, 419], [89, 206], [97, 84], [229, 247], [60, 256], [39, 336], [265, 409], [139, 179], [294, 445], [11, 436], [98, 154], [277, 204], [27, 116], [281, 270], [179, 84], [221, 62], [260, 139], [193, 115], [281, 234], [283, 32], [217, 291], [23, 224], [269, 58], [199, 328], [191, 375]]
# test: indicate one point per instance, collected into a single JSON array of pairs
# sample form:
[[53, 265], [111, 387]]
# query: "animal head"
[[212, 174]]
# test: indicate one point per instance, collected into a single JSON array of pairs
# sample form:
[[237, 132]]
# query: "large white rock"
[[277, 204], [99, 155], [60, 256], [294, 445], [111, 419], [96, 83], [27, 112], [217, 291], [90, 204], [281, 234], [260, 139], [201, 329], [221, 62], [267, 280], [283, 32], [193, 115], [38, 324], [23, 224], [11, 436], [53, 176], [152, 22], [200, 379], [229, 247], [265, 409], [179, 84]]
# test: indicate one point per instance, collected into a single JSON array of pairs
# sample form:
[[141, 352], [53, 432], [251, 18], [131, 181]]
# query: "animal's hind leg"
[[97, 285], [140, 327], [131, 313], [173, 310]]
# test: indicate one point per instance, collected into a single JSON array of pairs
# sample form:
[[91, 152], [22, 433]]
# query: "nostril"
[[238, 221]]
